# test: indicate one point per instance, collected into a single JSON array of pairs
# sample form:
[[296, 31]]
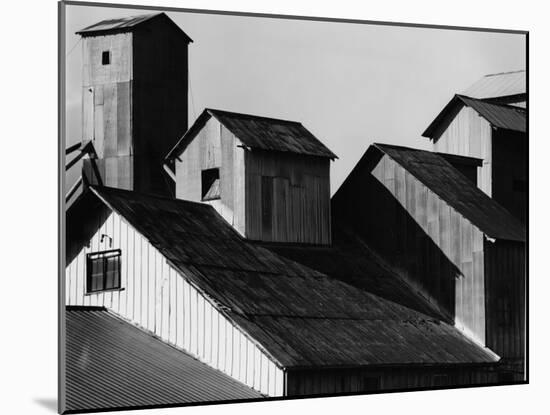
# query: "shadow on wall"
[[368, 208]]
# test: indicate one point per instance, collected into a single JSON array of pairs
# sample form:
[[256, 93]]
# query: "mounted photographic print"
[[258, 207]]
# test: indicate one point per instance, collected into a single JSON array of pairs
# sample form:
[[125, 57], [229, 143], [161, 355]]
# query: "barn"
[[489, 122], [456, 245], [210, 263]]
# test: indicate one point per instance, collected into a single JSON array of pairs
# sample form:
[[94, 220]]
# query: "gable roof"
[[125, 24], [257, 132], [454, 188], [503, 116], [113, 364], [499, 85], [300, 316]]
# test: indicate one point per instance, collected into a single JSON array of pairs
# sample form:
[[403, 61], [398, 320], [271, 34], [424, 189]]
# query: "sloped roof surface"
[[504, 116], [501, 116], [454, 188], [124, 24], [112, 364], [302, 317], [260, 133], [498, 85]]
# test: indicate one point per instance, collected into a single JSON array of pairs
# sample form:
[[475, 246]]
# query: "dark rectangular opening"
[[103, 271], [210, 184], [105, 57]]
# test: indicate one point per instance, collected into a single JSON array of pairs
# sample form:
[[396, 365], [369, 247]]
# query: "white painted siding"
[[159, 299]]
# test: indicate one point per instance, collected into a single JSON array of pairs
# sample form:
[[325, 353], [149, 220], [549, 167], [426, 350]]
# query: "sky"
[[349, 84]]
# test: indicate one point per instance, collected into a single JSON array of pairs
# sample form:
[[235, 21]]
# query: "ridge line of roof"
[[504, 73], [244, 114]]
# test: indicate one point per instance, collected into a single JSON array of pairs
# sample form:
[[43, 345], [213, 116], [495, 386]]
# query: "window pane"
[[96, 274], [111, 275]]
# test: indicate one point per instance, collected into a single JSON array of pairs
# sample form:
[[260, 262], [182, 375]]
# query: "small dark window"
[[106, 57], [103, 271], [210, 184]]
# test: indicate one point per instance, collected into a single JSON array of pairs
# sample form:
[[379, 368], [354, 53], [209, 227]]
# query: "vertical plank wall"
[[470, 135], [107, 109], [456, 238], [157, 298], [287, 198], [311, 382], [506, 272], [214, 147]]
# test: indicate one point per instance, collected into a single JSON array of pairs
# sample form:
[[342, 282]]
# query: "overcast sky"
[[349, 84]]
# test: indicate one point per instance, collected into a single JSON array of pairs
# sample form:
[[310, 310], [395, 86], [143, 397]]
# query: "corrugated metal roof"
[[257, 132], [499, 115], [498, 85], [124, 24], [112, 364], [301, 316], [504, 116], [454, 188]]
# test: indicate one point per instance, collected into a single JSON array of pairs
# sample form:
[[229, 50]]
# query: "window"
[[103, 271], [210, 184], [105, 57]]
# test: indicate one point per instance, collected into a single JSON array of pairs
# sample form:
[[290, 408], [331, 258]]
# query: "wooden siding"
[[505, 302], [287, 198], [436, 250], [160, 300], [214, 147], [313, 382], [510, 166], [470, 135], [132, 108], [120, 68]]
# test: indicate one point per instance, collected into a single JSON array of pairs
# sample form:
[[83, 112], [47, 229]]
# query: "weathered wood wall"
[[269, 196], [135, 111], [157, 298], [470, 135], [434, 248], [505, 271], [510, 158], [287, 198], [214, 147], [312, 382], [159, 99], [107, 107]]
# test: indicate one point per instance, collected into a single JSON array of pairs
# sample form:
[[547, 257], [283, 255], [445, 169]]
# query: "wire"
[[191, 93], [74, 46]]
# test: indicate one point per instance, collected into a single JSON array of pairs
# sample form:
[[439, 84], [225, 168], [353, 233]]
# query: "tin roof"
[[454, 188], [125, 24], [504, 116], [113, 364], [301, 316], [257, 132], [499, 115], [498, 85]]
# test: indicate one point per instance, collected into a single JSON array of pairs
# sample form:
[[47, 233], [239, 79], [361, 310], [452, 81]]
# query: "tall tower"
[[134, 98]]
